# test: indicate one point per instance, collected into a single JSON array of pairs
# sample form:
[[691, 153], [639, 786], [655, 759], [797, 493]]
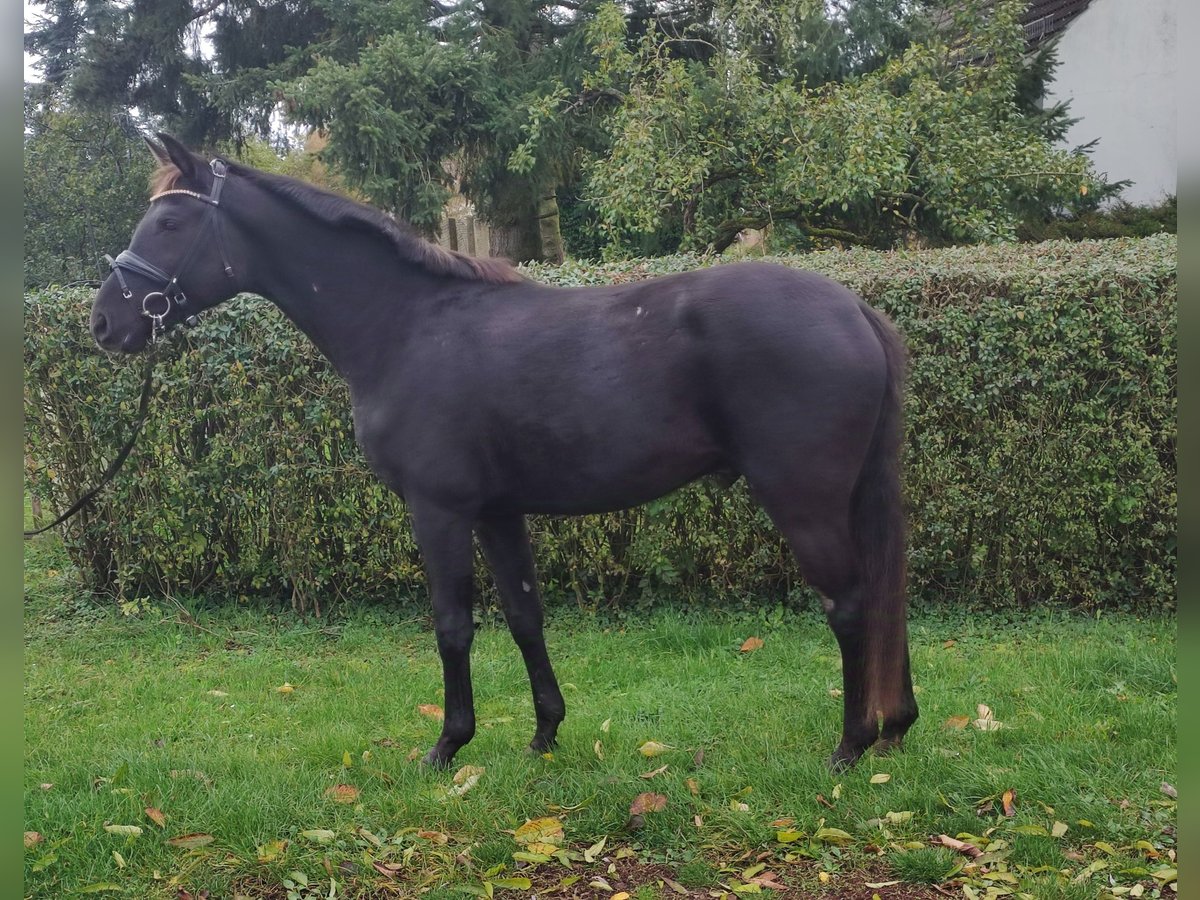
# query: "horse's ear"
[[181, 156], [157, 151]]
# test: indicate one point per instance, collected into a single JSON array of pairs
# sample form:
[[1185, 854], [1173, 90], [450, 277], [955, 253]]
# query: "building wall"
[[1118, 65]]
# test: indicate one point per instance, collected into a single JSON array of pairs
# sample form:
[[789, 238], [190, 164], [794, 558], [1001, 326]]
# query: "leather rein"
[[170, 295]]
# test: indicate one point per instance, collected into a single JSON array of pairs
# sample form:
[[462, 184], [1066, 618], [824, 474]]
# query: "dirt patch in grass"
[[794, 881]]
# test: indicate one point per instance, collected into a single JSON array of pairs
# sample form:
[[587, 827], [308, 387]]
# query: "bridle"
[[171, 293]]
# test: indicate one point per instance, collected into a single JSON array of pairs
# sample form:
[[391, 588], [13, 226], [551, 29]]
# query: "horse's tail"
[[878, 526]]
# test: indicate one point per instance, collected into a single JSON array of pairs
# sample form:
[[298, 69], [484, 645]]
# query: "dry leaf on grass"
[[32, 839], [285, 688], [961, 846], [156, 816], [342, 793], [658, 771], [652, 748], [431, 710], [956, 723], [647, 802], [986, 722], [751, 644], [1008, 802]]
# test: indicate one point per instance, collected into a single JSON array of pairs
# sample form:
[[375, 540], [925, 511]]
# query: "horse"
[[481, 397]]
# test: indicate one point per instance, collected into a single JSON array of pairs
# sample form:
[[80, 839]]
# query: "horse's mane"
[[342, 212]]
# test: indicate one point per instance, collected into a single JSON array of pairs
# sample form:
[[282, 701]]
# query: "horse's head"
[[178, 262]]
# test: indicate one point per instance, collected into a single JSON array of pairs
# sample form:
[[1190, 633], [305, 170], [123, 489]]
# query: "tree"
[[86, 176], [413, 95], [931, 145]]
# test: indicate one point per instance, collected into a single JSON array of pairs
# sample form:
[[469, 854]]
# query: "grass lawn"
[[172, 720]]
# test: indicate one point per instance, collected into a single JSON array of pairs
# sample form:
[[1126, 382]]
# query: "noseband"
[[171, 293]]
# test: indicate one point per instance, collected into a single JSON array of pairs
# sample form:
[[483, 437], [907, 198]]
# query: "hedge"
[[1039, 466]]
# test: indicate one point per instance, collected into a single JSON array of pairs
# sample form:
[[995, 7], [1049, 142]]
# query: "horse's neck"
[[347, 291]]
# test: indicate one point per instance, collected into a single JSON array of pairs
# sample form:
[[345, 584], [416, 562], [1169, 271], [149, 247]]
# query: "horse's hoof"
[[843, 758], [886, 746], [435, 760], [540, 745]]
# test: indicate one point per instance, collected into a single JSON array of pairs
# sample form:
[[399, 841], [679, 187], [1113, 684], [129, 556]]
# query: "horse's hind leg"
[[505, 543], [828, 561]]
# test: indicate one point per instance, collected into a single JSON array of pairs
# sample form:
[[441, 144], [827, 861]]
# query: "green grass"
[[119, 716]]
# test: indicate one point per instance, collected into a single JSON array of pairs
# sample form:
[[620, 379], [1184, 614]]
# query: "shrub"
[[1040, 460]]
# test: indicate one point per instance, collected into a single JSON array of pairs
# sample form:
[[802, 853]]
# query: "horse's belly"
[[595, 479]]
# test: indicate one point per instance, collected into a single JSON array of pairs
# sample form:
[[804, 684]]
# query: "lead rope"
[[115, 465]]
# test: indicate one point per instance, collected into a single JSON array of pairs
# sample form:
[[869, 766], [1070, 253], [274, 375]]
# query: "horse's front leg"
[[445, 542], [505, 543]]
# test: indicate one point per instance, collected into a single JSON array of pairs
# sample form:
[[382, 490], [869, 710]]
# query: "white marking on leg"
[[828, 604], [525, 586]]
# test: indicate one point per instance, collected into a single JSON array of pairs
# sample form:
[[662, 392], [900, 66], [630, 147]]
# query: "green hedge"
[[1040, 464]]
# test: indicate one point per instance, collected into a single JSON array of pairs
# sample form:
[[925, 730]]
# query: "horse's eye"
[[169, 224]]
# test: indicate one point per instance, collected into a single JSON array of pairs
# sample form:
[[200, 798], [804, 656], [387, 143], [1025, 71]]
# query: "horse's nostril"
[[99, 326]]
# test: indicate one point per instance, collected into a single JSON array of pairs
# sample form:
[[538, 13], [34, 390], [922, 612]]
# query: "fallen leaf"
[[32, 839], [620, 895], [647, 802], [318, 835], [118, 859], [431, 711], [434, 837], [124, 830], [284, 688], [590, 854], [605, 725], [675, 886], [784, 822], [837, 791], [986, 722], [898, 818], [751, 644], [1058, 829], [1169, 790], [547, 830], [465, 779], [414, 753], [835, 692], [598, 748], [191, 841], [512, 882], [46, 785], [342, 793], [347, 762], [388, 870], [658, 771], [948, 644], [652, 748], [271, 851], [879, 884], [880, 778], [788, 836], [466, 772], [957, 722], [1008, 802], [156, 816], [961, 846], [216, 693], [833, 836], [824, 877], [698, 759]]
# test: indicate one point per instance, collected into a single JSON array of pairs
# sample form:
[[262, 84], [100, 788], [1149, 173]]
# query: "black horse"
[[480, 397]]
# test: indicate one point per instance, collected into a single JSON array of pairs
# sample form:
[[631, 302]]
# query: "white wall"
[[1117, 63]]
